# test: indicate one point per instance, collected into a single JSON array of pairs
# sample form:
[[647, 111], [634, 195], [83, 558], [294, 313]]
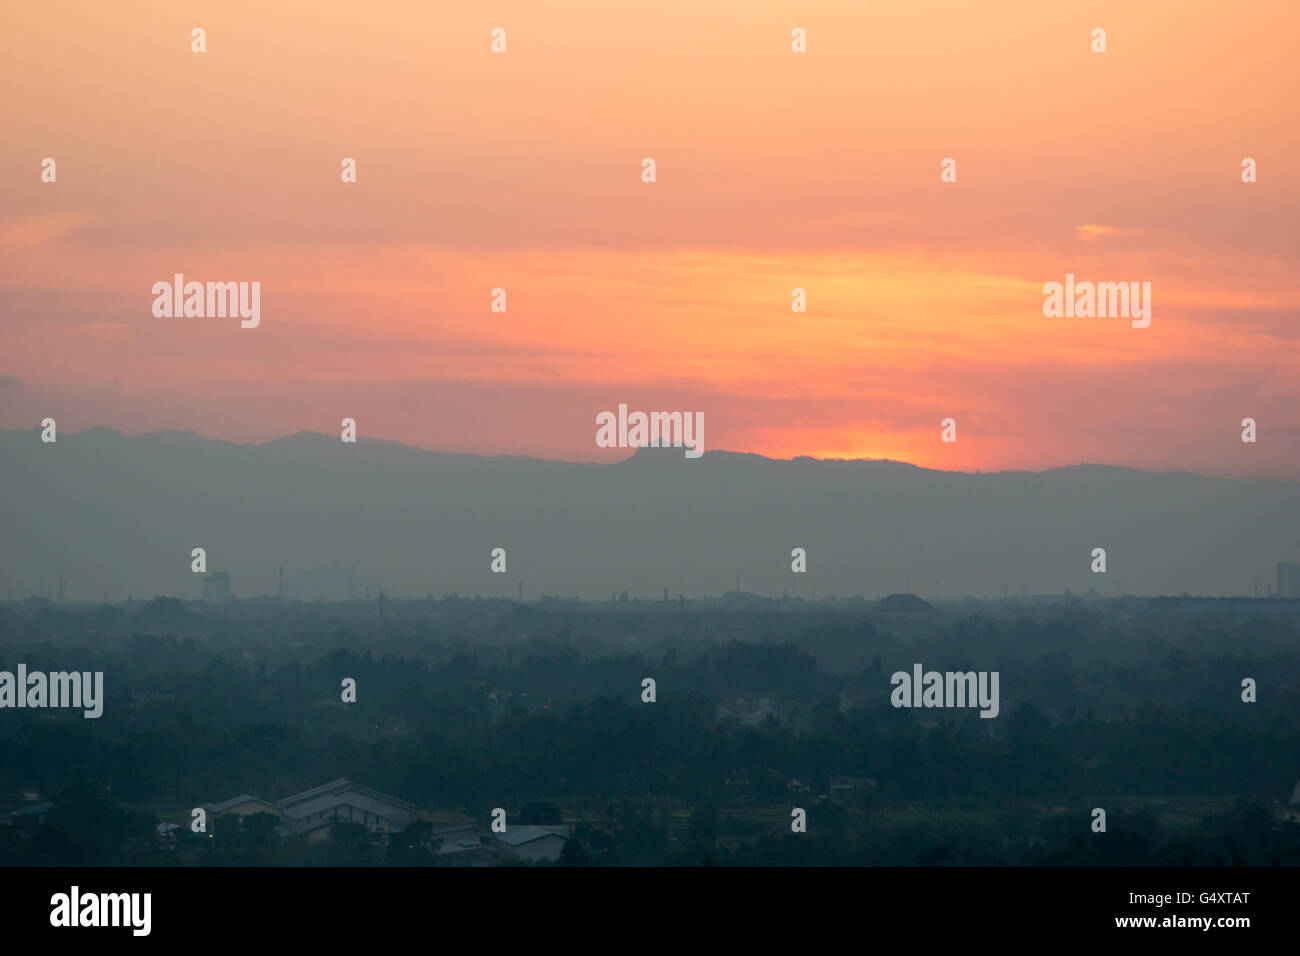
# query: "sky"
[[775, 170]]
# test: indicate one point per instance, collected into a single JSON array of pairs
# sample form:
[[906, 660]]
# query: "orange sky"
[[775, 170]]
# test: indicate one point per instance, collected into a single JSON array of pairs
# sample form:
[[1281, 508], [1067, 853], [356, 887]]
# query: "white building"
[[531, 842], [1288, 580], [216, 587], [343, 801]]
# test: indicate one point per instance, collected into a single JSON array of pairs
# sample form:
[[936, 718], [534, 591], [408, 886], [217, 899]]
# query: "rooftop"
[[517, 836]]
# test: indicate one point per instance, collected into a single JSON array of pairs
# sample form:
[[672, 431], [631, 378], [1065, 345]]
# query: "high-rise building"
[[216, 587], [1288, 580]]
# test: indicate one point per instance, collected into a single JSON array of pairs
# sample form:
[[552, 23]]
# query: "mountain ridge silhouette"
[[122, 514]]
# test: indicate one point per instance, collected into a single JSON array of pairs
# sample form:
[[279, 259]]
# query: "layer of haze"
[[775, 171], [118, 515]]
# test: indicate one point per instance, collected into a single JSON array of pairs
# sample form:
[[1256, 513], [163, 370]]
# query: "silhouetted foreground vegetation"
[[462, 706]]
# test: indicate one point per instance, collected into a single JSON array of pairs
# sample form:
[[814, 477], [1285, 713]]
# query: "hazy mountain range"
[[121, 514]]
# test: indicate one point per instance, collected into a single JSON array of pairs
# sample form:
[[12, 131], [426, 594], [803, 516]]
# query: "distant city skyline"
[[106, 512]]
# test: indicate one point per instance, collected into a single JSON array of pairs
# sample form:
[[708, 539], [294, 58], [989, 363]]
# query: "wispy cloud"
[[34, 230], [1092, 232]]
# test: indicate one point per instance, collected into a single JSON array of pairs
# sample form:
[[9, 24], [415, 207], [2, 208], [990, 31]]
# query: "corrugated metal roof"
[[517, 836], [362, 802], [340, 786], [236, 801]]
